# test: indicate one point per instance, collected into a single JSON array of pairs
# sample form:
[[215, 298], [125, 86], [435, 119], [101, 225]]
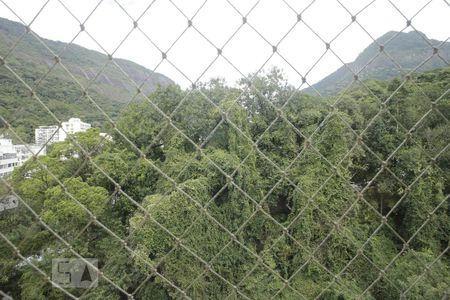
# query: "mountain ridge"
[[61, 86], [382, 59], [75, 56]]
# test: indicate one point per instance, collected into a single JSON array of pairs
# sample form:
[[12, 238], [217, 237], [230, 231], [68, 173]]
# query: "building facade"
[[12, 156], [8, 157], [53, 134], [25, 152], [44, 134], [75, 125]]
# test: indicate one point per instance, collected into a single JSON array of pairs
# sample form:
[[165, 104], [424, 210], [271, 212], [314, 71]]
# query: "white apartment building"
[[8, 157], [54, 134], [25, 152], [42, 134], [74, 125], [12, 156]]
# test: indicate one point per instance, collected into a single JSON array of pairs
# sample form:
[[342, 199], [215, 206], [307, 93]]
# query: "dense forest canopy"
[[253, 191]]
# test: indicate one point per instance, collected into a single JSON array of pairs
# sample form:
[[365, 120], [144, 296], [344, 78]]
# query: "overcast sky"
[[217, 20]]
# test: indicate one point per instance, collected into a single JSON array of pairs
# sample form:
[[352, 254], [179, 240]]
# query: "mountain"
[[31, 60], [407, 49]]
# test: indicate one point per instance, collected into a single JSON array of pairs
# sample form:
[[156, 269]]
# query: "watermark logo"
[[8, 202], [75, 273]]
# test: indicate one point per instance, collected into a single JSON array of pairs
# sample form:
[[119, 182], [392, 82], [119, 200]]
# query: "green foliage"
[[60, 206], [337, 199]]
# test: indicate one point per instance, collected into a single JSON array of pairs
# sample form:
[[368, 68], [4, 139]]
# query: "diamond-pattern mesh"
[[338, 221]]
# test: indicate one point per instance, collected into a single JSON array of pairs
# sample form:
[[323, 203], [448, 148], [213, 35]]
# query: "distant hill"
[[407, 49], [31, 60]]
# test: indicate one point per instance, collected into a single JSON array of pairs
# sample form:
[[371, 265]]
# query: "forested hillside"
[[393, 54], [58, 84], [292, 196]]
